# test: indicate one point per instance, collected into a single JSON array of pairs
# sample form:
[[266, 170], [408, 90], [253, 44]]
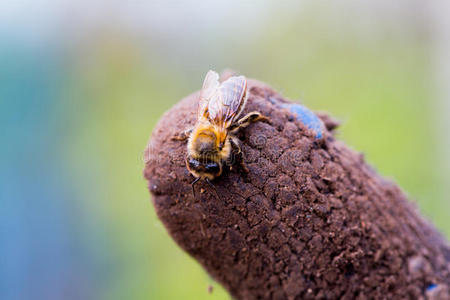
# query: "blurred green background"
[[83, 83]]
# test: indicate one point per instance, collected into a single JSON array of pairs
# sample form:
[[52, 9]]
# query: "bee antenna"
[[193, 185], [214, 188]]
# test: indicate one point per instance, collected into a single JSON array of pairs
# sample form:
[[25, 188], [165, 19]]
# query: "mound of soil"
[[311, 220]]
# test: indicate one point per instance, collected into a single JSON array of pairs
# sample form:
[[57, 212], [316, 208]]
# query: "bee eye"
[[213, 168], [193, 163]]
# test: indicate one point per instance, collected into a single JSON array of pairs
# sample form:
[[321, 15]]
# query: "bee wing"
[[209, 89], [228, 102]]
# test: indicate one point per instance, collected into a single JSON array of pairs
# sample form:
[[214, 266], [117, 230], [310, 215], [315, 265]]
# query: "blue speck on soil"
[[307, 117], [431, 287]]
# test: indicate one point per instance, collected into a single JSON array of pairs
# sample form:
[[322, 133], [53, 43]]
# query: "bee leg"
[[193, 185], [246, 120], [182, 136], [213, 187], [238, 152]]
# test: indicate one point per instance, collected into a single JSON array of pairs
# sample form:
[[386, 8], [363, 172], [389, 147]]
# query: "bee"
[[212, 142]]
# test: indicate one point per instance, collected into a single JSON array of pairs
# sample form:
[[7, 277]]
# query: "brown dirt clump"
[[311, 220]]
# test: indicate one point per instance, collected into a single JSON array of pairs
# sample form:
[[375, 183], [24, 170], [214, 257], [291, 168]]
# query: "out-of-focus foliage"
[[78, 106]]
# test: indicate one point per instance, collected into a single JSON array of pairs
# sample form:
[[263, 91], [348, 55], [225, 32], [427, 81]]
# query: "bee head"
[[203, 168]]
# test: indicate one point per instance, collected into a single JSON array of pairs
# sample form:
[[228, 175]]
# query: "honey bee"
[[212, 142]]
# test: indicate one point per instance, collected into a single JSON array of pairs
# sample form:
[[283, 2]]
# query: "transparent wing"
[[228, 102], [209, 89]]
